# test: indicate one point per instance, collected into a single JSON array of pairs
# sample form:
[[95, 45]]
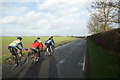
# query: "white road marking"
[[84, 64], [84, 59], [62, 61]]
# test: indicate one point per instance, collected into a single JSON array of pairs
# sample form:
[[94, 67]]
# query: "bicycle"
[[14, 61]]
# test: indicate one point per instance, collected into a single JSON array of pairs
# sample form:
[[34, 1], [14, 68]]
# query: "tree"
[[103, 16], [95, 26]]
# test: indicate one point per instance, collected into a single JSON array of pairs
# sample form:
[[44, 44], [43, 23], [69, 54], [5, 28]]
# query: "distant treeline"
[[109, 40], [78, 36]]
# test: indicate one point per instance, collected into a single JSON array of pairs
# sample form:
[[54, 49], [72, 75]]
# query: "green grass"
[[102, 64], [27, 41]]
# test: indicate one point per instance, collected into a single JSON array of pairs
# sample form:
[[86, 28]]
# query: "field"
[[27, 41]]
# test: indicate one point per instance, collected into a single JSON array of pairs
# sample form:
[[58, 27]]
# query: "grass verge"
[[102, 64]]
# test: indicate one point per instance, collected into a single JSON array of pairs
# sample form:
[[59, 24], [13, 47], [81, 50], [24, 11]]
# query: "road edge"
[[87, 63]]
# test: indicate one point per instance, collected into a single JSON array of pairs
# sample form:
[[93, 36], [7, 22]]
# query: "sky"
[[44, 17]]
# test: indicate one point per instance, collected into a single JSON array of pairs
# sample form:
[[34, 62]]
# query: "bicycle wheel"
[[10, 64], [23, 60], [30, 57]]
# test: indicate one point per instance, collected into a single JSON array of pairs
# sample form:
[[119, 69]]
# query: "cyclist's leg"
[[34, 53], [14, 51], [39, 50], [21, 52], [48, 50], [10, 49], [34, 57], [37, 55], [51, 49]]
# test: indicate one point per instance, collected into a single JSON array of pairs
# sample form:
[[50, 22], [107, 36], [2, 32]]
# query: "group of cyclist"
[[35, 47]]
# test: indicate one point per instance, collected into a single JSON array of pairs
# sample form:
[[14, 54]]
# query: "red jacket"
[[37, 44]]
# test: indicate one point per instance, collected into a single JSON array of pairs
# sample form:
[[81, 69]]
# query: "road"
[[68, 61]]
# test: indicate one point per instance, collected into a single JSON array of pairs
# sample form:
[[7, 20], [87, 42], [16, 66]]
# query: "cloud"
[[60, 17], [12, 9], [60, 4], [46, 20], [8, 19], [32, 18], [17, 0]]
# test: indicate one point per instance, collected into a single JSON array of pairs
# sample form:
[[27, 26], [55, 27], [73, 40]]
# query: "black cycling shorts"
[[34, 49], [13, 50], [47, 45]]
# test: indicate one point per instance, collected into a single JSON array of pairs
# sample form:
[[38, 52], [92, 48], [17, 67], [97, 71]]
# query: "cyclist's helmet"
[[38, 38], [20, 38], [51, 37]]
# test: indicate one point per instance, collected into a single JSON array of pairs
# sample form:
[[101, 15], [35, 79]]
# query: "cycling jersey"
[[37, 44], [15, 43], [49, 43]]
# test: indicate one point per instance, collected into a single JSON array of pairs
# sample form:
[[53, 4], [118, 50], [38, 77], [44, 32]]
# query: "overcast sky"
[[44, 17]]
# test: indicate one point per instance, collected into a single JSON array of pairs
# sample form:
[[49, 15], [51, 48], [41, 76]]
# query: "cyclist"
[[53, 43], [13, 47], [52, 40], [49, 44], [36, 47]]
